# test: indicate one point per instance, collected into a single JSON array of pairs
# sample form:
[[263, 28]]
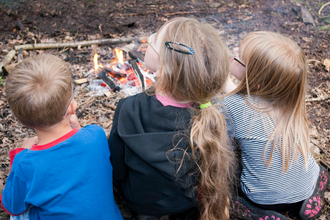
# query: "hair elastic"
[[191, 51], [201, 106]]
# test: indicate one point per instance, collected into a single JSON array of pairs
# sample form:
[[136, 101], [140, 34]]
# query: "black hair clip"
[[191, 51]]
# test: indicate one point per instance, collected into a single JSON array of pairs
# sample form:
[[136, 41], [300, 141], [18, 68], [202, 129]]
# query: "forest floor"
[[47, 21]]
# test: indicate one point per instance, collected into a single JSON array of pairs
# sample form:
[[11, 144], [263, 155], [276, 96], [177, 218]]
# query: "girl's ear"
[[158, 73]]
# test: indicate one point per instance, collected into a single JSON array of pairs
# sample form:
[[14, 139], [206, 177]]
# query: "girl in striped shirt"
[[267, 116]]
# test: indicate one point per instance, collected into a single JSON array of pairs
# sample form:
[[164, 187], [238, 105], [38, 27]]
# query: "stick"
[[90, 101], [81, 43], [135, 14], [108, 110], [323, 7], [183, 12], [321, 149], [108, 105], [80, 81], [317, 99], [313, 60], [7, 59]]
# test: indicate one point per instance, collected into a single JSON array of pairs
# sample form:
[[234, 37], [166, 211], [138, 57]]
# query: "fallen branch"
[[167, 14], [7, 59], [135, 14], [183, 12], [81, 43]]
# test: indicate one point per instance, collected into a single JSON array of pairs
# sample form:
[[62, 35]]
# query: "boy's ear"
[[72, 107]]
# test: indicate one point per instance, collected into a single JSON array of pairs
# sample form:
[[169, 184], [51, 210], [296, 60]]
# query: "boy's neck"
[[49, 134]]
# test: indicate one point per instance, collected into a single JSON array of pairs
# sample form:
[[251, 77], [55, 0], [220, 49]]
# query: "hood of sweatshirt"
[[157, 134]]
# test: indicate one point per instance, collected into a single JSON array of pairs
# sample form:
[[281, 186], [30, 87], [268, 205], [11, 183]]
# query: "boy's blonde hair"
[[38, 90], [276, 71], [198, 78]]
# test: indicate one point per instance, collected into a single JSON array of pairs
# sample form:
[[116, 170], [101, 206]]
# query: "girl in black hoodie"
[[169, 147]]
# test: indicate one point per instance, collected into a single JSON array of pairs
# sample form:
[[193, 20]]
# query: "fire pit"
[[125, 72]]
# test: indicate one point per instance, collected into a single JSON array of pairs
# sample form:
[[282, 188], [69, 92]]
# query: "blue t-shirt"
[[69, 178], [264, 184]]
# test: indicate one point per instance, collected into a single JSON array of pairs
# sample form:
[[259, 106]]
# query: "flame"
[[119, 55], [95, 59]]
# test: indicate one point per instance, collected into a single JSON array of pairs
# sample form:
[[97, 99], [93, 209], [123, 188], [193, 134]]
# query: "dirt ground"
[[46, 21]]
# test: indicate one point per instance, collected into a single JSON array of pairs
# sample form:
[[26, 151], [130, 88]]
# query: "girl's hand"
[[30, 142], [74, 121]]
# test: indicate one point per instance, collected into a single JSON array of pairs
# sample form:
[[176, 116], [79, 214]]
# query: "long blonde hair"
[[198, 78], [276, 71]]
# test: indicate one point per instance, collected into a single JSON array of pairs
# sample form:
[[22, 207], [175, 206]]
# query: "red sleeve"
[[3, 206], [13, 153]]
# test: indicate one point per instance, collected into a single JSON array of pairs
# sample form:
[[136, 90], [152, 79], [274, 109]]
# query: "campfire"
[[126, 72]]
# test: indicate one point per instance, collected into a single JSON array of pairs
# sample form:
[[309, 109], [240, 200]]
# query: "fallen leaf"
[[327, 196], [14, 41], [323, 217], [326, 63]]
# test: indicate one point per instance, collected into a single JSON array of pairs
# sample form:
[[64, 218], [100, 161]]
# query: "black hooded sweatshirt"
[[147, 143]]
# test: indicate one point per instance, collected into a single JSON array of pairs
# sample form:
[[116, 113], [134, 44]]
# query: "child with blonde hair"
[[267, 114], [169, 145], [65, 173]]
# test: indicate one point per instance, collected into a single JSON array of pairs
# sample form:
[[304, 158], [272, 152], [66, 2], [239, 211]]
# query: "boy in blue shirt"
[[65, 173]]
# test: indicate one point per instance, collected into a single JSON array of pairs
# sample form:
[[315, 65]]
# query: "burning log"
[[138, 73], [105, 77], [114, 73], [81, 43], [136, 55]]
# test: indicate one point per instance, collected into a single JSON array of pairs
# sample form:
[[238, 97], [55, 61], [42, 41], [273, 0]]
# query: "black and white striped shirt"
[[262, 184]]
